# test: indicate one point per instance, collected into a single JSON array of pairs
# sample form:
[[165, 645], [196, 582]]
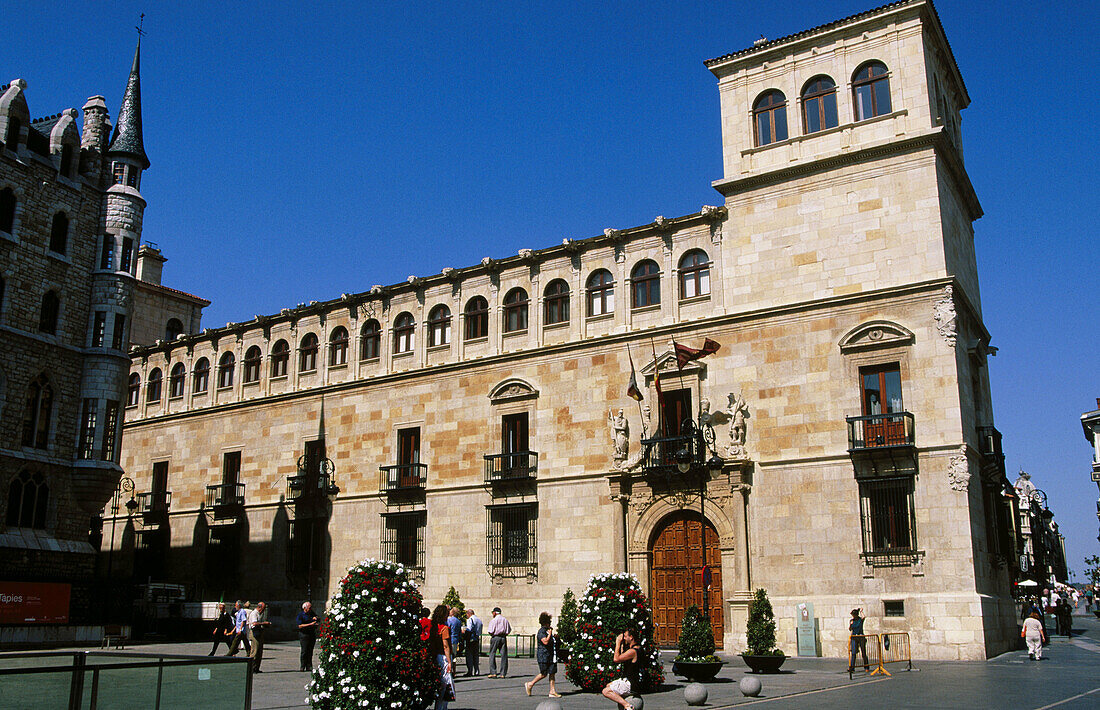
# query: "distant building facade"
[[160, 312], [70, 226], [1090, 422], [475, 424]]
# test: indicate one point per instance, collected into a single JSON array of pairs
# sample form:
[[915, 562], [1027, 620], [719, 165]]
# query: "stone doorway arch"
[[676, 558]]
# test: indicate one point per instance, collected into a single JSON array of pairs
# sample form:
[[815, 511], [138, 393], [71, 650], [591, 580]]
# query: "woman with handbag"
[[439, 646]]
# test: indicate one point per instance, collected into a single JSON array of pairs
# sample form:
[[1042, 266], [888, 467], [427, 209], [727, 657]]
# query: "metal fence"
[[872, 652], [112, 680]]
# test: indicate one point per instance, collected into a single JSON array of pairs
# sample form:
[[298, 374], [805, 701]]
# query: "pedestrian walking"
[[257, 628], [1064, 617], [223, 630], [456, 628], [629, 680], [439, 646], [308, 626], [240, 629], [1089, 596], [1035, 635], [545, 645], [498, 629], [473, 643], [425, 623], [857, 641]]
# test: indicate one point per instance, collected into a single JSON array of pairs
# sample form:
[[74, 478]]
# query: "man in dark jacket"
[[223, 629]]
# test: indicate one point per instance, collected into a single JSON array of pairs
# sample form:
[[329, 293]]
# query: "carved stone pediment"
[[875, 334], [512, 389], [666, 362]]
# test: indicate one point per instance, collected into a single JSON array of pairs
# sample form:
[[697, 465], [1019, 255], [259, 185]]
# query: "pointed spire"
[[127, 138]]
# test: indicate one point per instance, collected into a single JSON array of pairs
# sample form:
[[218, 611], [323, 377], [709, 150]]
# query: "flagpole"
[[641, 415], [657, 384]]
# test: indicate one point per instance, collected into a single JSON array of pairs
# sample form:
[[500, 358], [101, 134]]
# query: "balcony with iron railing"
[[225, 500], [402, 477], [301, 486], [879, 432], [516, 466], [154, 502], [660, 454]]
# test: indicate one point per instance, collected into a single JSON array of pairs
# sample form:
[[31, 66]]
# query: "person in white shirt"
[[1034, 634], [257, 625]]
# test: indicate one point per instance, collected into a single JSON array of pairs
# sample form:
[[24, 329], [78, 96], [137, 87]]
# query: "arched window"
[[225, 371], [338, 347], [28, 496], [280, 358], [439, 326], [173, 329], [515, 310], [370, 340], [404, 330], [200, 376], [252, 359], [694, 274], [176, 380], [645, 284], [871, 90], [769, 117], [556, 301], [477, 318], [133, 390], [7, 210], [51, 307], [819, 105], [59, 233], [36, 415], [307, 353], [152, 386], [601, 293]]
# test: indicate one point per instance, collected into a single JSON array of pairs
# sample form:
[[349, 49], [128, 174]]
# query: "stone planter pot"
[[699, 672], [763, 664]]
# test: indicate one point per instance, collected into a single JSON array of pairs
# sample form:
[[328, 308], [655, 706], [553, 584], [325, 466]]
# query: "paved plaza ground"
[[1068, 677]]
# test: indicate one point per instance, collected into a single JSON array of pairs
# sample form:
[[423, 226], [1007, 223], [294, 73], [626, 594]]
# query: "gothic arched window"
[[36, 415]]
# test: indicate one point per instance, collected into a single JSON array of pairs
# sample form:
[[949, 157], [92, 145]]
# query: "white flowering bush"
[[610, 604], [371, 653]]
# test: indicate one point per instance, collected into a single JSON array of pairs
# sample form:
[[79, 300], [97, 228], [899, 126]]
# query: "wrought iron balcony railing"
[[309, 485], [224, 496], [518, 466], [880, 431], [402, 477], [661, 453], [154, 501]]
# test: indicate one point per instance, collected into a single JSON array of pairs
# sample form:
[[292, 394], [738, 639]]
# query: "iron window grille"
[[512, 540], [403, 540], [887, 521]]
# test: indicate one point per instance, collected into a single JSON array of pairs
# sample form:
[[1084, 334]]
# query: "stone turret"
[[96, 124], [127, 139]]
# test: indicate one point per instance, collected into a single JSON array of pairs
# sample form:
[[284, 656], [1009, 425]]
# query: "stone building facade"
[[161, 312], [1090, 423], [475, 424], [70, 227]]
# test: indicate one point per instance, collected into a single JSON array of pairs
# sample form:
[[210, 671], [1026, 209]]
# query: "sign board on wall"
[[806, 629], [34, 603]]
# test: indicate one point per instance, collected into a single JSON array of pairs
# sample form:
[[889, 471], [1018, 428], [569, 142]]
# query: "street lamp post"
[[125, 485], [685, 462]]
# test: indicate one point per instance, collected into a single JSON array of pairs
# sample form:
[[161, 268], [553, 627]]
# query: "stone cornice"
[[930, 287]]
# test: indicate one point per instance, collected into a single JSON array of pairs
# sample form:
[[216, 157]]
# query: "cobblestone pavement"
[[1067, 678]]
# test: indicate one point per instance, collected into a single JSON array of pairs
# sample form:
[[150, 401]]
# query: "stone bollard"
[[695, 694], [749, 686], [636, 702], [549, 705]]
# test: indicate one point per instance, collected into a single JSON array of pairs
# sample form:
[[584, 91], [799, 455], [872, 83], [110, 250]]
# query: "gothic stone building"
[[70, 226], [461, 423]]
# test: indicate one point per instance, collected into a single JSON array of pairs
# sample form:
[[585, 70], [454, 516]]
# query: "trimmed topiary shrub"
[[567, 618], [371, 653], [761, 626], [452, 599], [611, 603], [696, 638]]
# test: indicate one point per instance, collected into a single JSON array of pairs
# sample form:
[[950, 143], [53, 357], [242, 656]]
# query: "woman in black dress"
[[545, 648]]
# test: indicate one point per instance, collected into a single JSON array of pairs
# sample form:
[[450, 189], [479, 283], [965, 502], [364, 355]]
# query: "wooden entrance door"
[[675, 579]]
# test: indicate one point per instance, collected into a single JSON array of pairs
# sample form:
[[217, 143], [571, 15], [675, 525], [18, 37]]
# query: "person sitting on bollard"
[[629, 681]]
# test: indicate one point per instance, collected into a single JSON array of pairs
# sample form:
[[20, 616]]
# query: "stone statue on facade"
[[1024, 488], [620, 434], [647, 421], [738, 412]]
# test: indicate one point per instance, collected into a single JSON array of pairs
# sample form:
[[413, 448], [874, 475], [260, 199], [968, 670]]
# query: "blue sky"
[[302, 151]]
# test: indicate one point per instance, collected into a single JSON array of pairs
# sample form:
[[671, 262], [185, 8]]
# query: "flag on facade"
[[632, 390], [684, 354]]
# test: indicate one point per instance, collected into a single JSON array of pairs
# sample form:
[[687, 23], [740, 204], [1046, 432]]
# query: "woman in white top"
[[1035, 635]]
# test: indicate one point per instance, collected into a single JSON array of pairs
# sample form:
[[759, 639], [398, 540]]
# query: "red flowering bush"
[[371, 652], [610, 604]]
